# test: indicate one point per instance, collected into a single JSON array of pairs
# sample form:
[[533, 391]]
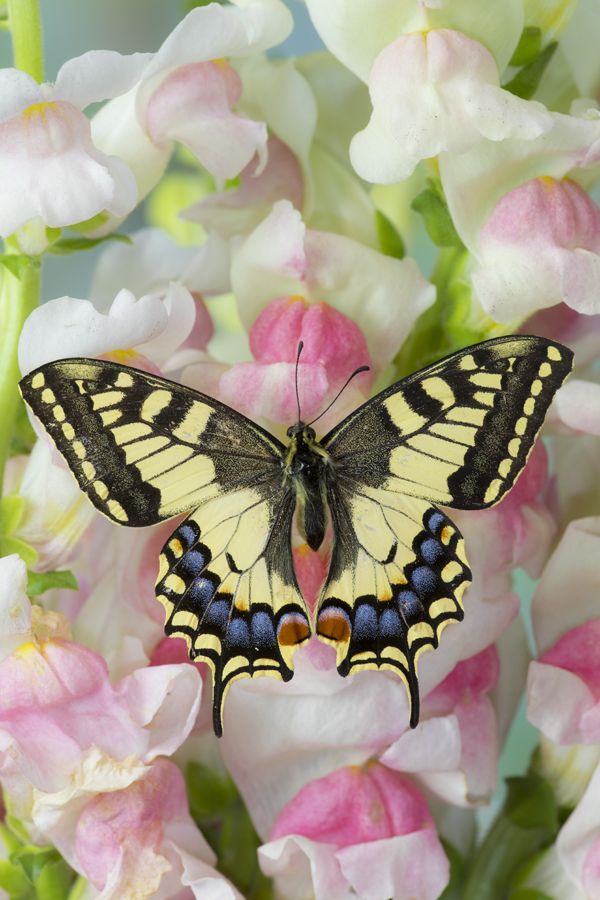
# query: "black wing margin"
[[459, 432]]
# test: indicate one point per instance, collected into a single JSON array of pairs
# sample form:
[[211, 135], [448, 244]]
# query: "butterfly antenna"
[[300, 346], [343, 388]]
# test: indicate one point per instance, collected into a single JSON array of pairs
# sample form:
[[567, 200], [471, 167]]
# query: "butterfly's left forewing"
[[144, 449], [457, 433]]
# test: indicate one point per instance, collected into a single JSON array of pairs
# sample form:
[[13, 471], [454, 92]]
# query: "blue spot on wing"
[[424, 580], [217, 615], [431, 550], [365, 622], [435, 521], [199, 594], [390, 624], [410, 605], [191, 564], [238, 633], [188, 534], [263, 630]]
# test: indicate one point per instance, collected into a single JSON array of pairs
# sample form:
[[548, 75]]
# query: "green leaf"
[[209, 792], [218, 810], [14, 881], [531, 803], [527, 823], [529, 894], [525, 82], [39, 582], [390, 239], [67, 245], [431, 205], [529, 46], [16, 263], [54, 881]]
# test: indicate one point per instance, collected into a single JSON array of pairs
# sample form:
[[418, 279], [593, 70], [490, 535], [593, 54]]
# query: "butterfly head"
[[301, 432]]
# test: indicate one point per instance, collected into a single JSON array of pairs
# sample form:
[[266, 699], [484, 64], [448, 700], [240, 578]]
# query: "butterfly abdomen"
[[307, 465]]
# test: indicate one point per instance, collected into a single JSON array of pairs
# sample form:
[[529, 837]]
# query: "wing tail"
[[388, 599]]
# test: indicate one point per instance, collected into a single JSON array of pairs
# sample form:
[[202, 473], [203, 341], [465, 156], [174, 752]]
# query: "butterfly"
[[457, 434]]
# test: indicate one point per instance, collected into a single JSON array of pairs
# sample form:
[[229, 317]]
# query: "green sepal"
[[54, 880], [527, 823], [14, 881], [431, 205], [525, 82], [79, 889], [33, 859], [24, 437], [16, 263], [11, 545], [67, 245], [529, 46], [390, 239], [219, 812], [93, 224], [12, 510], [39, 582], [192, 4], [453, 890]]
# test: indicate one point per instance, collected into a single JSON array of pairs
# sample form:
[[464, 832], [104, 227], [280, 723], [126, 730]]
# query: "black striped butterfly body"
[[457, 434]]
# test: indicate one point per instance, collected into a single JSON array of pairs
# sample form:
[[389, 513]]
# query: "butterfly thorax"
[[305, 465]]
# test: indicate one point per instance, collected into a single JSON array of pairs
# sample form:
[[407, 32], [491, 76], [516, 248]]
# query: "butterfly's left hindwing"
[[457, 433], [228, 587]]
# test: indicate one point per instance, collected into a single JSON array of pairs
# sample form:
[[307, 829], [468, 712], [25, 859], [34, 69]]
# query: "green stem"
[[27, 37], [19, 295]]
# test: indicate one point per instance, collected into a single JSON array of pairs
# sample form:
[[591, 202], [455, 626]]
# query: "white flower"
[[49, 166]]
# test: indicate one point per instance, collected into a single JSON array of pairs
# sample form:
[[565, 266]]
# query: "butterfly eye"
[[310, 434], [290, 431]]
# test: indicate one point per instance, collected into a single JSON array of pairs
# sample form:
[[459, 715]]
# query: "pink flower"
[[454, 752], [365, 831], [57, 703], [333, 348], [193, 105], [545, 235], [564, 687], [135, 841], [186, 93], [282, 258]]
